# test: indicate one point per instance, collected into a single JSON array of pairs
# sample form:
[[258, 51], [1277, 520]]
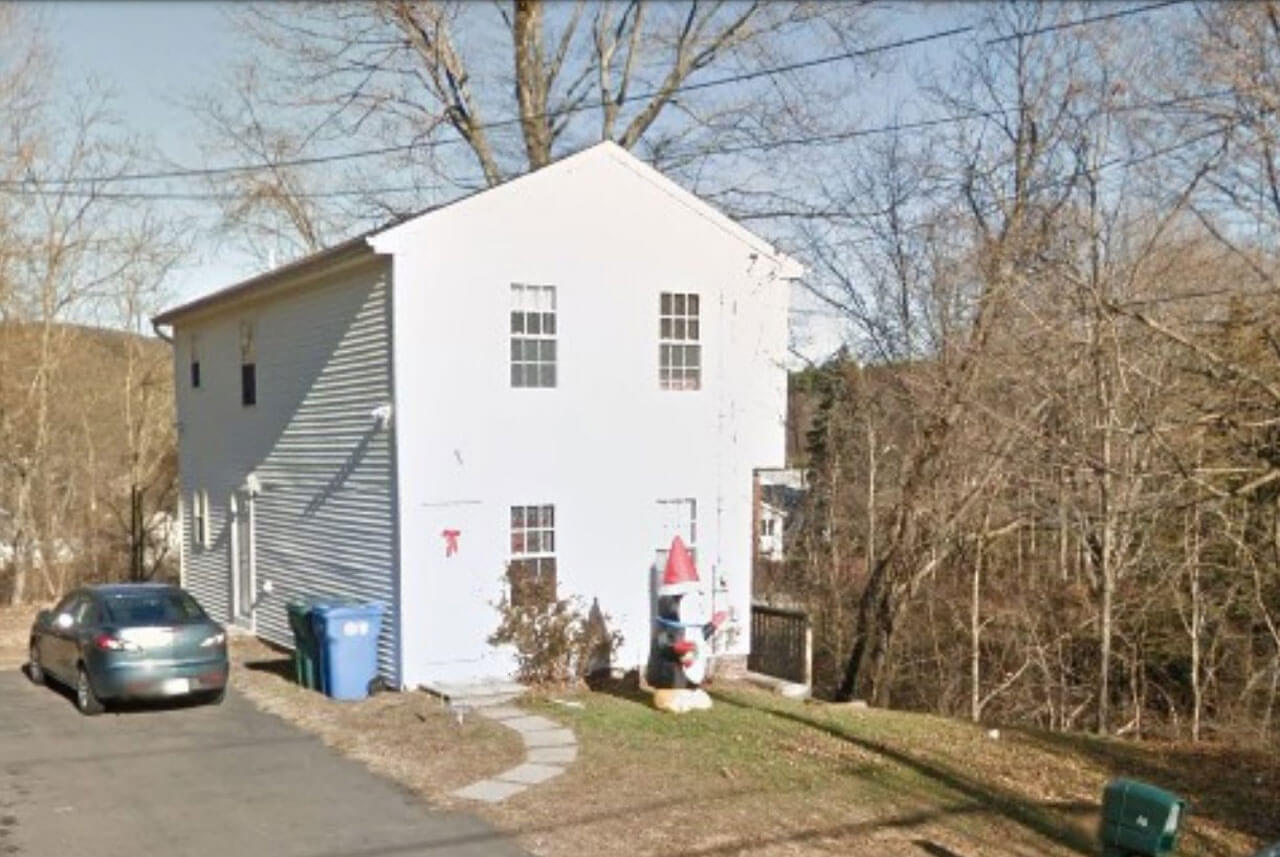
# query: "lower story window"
[[531, 572], [677, 518]]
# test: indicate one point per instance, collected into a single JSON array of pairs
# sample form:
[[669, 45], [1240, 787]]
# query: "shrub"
[[556, 643]]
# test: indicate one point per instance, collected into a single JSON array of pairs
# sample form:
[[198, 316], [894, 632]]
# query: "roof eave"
[[354, 248]]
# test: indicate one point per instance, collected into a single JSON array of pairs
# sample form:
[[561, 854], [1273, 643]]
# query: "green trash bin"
[[306, 651], [1139, 819]]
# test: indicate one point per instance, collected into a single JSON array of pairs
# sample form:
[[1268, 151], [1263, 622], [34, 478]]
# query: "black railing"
[[781, 643]]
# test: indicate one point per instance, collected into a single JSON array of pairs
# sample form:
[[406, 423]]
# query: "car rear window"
[[153, 608]]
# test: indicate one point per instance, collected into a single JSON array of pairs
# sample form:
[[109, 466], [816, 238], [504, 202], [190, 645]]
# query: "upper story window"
[[532, 571], [195, 362], [679, 354], [248, 365], [533, 336]]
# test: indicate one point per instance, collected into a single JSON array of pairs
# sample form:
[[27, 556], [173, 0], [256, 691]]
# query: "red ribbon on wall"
[[450, 541]]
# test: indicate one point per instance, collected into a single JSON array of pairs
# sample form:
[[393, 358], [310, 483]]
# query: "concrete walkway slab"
[[503, 712], [490, 791], [549, 738], [530, 774], [530, 723], [548, 748], [552, 755]]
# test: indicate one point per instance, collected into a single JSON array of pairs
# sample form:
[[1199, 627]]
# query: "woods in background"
[[87, 463], [1045, 489]]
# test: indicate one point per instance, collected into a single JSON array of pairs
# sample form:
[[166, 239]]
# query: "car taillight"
[[215, 640], [108, 643]]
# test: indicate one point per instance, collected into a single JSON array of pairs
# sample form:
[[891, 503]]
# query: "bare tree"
[[421, 82], [69, 255]]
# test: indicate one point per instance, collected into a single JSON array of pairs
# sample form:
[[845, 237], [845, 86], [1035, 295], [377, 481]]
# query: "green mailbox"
[[1139, 819]]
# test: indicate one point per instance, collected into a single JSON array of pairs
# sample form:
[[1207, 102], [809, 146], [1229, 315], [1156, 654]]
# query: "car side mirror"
[[64, 621]]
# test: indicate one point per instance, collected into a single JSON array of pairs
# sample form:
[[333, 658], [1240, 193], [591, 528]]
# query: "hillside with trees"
[[86, 426], [100, 450], [1045, 489]]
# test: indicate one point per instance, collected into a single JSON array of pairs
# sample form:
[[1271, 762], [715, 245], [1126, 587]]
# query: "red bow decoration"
[[450, 541]]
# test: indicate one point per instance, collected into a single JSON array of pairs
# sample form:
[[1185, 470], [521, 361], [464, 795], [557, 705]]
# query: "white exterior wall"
[[606, 444], [324, 517]]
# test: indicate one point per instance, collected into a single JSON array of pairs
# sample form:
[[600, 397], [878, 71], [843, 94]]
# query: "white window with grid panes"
[[533, 336], [677, 518], [532, 568], [679, 351]]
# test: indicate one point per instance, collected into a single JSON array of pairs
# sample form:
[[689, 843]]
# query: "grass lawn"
[[766, 776], [762, 775]]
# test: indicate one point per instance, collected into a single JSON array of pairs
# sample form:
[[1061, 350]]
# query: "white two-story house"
[[543, 382]]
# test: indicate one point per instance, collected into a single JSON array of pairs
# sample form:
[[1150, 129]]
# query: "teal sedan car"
[[129, 641]]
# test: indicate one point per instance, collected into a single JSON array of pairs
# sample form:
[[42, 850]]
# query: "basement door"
[[242, 549]]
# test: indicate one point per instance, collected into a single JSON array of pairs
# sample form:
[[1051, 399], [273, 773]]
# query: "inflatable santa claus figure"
[[682, 630]]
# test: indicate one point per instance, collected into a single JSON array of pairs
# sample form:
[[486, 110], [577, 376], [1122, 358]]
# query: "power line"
[[1065, 25], [762, 146], [861, 53]]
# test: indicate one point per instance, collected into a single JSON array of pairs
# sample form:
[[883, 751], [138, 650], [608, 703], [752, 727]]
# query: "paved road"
[[225, 781]]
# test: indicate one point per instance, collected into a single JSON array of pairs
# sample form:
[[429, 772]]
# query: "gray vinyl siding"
[[324, 518]]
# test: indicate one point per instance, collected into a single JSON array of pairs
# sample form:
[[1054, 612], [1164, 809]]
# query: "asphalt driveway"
[[226, 781]]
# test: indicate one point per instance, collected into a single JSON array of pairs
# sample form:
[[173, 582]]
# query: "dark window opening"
[[248, 384], [195, 373], [532, 570], [533, 581]]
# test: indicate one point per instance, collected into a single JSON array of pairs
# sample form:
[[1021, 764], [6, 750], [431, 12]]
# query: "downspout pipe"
[[156, 329]]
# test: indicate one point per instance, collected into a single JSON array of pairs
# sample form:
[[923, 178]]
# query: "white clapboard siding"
[[324, 521]]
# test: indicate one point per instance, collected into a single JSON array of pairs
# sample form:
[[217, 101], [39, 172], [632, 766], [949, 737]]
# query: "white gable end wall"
[[324, 516], [604, 446]]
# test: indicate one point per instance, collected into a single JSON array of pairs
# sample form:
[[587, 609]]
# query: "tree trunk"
[[975, 638]]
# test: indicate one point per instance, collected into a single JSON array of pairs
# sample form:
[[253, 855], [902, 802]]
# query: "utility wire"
[[762, 146], [861, 53]]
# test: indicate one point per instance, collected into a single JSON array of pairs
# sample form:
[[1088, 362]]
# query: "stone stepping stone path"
[[548, 748]]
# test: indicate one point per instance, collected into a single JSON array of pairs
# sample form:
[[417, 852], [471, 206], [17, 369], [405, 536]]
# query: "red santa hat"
[[680, 574]]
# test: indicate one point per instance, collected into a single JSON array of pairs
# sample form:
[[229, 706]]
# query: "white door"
[[242, 558]]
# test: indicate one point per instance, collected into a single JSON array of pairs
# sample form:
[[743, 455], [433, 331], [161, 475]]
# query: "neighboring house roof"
[[784, 498], [365, 245]]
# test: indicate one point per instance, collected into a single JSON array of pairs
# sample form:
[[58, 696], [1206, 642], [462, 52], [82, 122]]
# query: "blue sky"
[[153, 55]]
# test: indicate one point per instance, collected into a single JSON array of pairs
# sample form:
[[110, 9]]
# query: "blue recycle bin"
[[347, 635]]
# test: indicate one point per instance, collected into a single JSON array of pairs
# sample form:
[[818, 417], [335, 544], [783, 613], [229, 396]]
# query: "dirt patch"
[[409, 737], [15, 633]]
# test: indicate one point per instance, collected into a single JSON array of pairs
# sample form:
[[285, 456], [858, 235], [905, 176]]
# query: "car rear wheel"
[[35, 672], [86, 700]]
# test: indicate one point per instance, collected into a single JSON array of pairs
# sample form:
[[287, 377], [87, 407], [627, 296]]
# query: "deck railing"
[[781, 643]]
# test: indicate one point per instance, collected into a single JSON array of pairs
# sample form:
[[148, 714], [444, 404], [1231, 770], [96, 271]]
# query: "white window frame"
[[679, 341], [533, 542], [200, 518], [684, 511], [533, 354]]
